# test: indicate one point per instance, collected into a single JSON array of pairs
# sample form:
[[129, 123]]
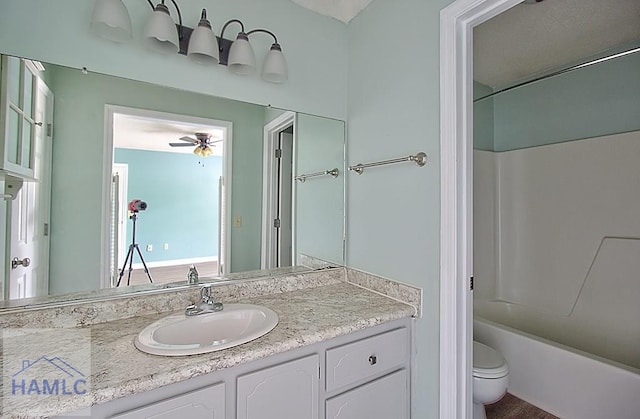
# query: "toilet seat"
[[487, 362]]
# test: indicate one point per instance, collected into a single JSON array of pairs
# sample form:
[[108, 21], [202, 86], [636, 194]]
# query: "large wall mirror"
[[121, 174]]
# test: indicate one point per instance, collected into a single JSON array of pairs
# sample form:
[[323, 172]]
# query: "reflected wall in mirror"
[[261, 218]]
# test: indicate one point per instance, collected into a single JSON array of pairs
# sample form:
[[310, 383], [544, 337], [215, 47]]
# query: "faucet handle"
[[205, 293]]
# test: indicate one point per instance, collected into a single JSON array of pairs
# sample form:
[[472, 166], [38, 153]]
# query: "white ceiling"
[[530, 39], [343, 10], [138, 133]]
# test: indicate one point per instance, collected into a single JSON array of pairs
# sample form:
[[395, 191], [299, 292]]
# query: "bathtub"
[[567, 382]]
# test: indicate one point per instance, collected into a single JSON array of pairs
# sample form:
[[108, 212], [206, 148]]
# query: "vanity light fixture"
[[110, 20]]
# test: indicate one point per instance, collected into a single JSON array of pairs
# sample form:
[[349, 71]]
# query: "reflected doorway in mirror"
[[185, 186]]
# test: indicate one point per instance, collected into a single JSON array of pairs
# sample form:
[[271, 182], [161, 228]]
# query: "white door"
[[284, 191], [286, 391], [30, 211]]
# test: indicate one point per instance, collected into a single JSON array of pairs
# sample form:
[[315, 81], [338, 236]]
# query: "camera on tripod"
[[134, 207], [137, 205]]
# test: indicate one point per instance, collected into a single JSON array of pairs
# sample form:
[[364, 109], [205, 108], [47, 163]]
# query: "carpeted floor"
[[511, 407]]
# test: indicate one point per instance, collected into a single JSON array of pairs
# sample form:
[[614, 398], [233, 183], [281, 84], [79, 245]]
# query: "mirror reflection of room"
[[109, 141], [185, 155]]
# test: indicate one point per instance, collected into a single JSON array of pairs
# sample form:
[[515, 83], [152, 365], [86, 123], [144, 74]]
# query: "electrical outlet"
[[149, 248], [237, 221], [166, 246]]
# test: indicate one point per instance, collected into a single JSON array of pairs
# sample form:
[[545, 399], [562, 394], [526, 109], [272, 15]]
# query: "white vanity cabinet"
[[289, 390], [384, 398], [363, 375], [364, 361], [206, 403]]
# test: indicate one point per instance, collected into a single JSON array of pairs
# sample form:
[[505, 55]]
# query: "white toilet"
[[490, 378]]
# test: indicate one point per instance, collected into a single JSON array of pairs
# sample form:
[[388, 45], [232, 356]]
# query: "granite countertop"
[[117, 369]]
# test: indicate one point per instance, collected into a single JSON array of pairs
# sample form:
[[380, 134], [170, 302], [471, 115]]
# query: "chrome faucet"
[[206, 305]]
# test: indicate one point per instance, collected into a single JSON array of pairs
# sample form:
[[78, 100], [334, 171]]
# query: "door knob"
[[15, 262]]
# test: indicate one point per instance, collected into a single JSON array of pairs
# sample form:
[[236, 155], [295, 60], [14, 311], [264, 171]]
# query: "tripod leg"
[[126, 259], [146, 270]]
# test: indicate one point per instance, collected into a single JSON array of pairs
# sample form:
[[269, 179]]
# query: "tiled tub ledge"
[[117, 369]]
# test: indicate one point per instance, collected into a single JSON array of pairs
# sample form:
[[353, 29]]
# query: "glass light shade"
[[275, 66], [242, 60], [160, 33], [110, 20], [203, 45]]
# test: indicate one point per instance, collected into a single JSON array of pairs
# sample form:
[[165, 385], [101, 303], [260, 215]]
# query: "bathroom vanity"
[[339, 350], [362, 374]]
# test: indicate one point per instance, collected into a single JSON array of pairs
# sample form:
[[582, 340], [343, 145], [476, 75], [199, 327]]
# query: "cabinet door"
[[286, 391], [385, 398], [207, 403], [18, 104]]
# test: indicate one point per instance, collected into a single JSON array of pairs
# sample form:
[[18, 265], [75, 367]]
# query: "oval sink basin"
[[179, 334]]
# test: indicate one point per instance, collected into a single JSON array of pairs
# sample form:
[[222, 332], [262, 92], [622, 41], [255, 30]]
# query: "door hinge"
[[278, 153], [46, 229], [276, 223], [471, 283], [49, 129]]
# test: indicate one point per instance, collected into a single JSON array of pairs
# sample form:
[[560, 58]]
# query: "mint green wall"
[[320, 201], [77, 167], [482, 118], [598, 100], [393, 211], [272, 113], [183, 212], [314, 45]]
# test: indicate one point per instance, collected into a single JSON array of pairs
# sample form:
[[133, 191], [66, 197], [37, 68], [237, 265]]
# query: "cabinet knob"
[[373, 360]]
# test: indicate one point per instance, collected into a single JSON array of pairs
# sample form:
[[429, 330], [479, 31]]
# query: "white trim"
[[123, 188], [227, 127], [175, 262], [271, 131], [456, 205]]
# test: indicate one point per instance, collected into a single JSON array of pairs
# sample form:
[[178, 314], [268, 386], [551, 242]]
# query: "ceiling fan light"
[[242, 60], [160, 32], [203, 44], [110, 20], [207, 151], [197, 151], [274, 69]]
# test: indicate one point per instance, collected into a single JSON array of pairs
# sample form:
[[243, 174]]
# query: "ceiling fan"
[[202, 143]]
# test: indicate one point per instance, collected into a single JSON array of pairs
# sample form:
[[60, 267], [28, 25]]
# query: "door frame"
[[456, 199], [121, 229], [109, 111], [269, 177]]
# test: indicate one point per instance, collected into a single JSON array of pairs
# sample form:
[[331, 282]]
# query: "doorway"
[[278, 222], [456, 199], [168, 211]]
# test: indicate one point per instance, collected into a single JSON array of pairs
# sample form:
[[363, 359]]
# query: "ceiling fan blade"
[[189, 139], [181, 145]]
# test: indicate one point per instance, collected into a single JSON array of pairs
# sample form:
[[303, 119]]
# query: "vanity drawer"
[[365, 358]]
